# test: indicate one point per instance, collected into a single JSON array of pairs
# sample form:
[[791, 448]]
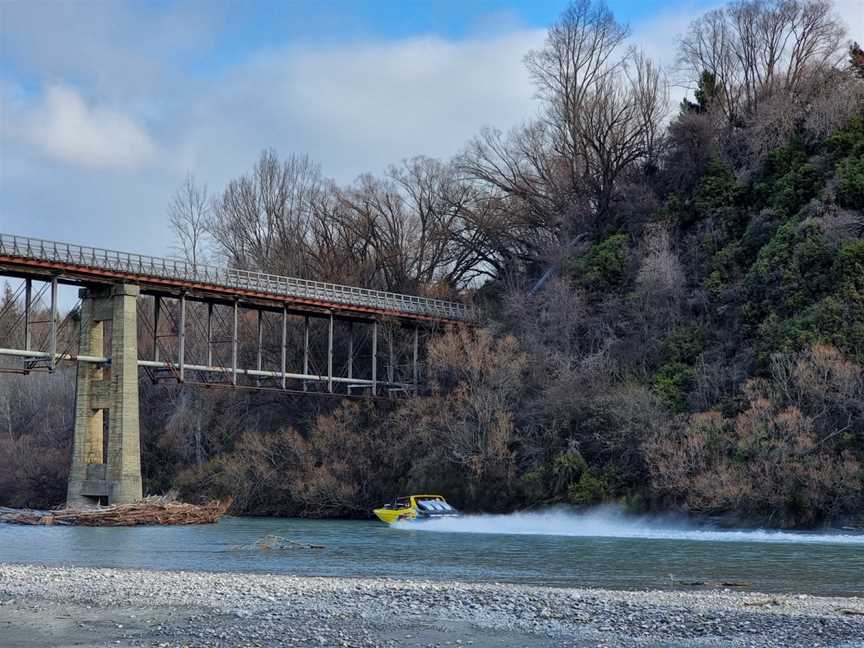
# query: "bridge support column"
[[124, 444], [107, 472], [87, 474]]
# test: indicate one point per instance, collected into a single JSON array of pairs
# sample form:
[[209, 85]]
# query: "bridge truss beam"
[[117, 287], [175, 363]]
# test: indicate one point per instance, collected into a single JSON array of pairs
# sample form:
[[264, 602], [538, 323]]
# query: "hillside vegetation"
[[673, 297]]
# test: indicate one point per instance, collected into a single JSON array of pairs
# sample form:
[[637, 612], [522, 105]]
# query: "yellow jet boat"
[[415, 508]]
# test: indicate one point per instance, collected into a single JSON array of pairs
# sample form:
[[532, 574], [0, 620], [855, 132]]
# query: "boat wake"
[[612, 522]]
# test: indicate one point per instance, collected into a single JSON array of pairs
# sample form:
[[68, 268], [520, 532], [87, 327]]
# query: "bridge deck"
[[23, 254]]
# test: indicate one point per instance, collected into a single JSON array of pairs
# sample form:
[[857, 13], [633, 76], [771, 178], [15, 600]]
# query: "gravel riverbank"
[[53, 606]]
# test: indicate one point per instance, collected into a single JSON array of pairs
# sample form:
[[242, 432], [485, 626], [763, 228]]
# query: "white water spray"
[[612, 522]]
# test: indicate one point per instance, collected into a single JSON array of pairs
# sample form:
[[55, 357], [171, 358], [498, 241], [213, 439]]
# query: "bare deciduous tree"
[[526, 191], [477, 379], [419, 225], [579, 54], [756, 49], [413, 230], [661, 278], [261, 221], [620, 126], [604, 107], [188, 215]]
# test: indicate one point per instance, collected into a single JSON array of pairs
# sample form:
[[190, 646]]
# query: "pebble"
[[228, 610]]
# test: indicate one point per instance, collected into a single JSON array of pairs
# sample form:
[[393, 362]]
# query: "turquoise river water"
[[599, 549]]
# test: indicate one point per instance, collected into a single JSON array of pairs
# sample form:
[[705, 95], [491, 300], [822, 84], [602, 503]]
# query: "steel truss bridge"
[[196, 323]]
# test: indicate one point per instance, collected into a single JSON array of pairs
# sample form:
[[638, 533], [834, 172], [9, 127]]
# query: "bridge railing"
[[178, 269]]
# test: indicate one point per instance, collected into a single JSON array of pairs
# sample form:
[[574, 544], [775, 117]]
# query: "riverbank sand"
[[82, 607]]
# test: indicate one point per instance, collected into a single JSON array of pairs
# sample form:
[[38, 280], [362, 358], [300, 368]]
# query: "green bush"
[[850, 182], [588, 490], [789, 181], [725, 260], [672, 384], [847, 147], [566, 477], [714, 285], [532, 486], [791, 272], [717, 189], [847, 141], [760, 230], [849, 267], [776, 334], [836, 319], [839, 318], [717, 192], [674, 211], [684, 344], [605, 266], [565, 468]]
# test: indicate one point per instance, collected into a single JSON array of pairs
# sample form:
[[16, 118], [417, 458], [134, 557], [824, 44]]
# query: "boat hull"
[[391, 516]]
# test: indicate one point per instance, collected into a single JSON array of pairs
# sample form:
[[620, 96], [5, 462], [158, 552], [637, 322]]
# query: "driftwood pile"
[[149, 511]]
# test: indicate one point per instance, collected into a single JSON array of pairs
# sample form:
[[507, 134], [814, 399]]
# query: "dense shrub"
[[847, 146], [789, 180], [792, 271], [684, 344], [605, 265], [672, 384], [36, 419], [850, 181], [779, 459], [717, 193]]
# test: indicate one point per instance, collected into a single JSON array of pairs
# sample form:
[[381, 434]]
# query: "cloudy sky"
[[105, 106]]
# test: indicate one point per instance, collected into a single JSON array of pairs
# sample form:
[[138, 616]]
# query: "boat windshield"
[[434, 505]]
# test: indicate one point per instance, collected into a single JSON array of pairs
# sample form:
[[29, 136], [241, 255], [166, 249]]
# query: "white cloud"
[[358, 107], [353, 108], [64, 127], [116, 50]]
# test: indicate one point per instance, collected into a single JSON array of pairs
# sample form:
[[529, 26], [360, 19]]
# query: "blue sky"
[[105, 106], [457, 19], [241, 28]]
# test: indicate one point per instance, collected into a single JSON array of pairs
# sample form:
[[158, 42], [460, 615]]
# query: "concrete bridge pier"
[[107, 470]]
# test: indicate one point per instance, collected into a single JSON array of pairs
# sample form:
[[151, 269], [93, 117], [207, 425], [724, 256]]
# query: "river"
[[600, 549]]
